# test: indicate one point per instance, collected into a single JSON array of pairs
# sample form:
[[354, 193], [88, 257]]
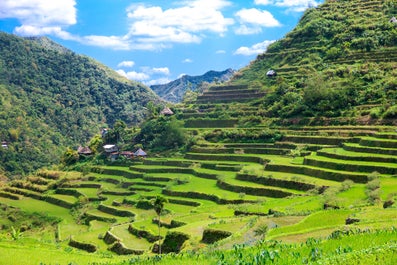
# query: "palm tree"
[[158, 205]]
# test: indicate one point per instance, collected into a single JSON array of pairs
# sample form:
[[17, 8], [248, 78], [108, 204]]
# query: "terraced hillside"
[[338, 61], [224, 190], [248, 174]]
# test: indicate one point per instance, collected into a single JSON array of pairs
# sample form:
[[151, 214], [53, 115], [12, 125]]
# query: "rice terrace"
[[296, 166]]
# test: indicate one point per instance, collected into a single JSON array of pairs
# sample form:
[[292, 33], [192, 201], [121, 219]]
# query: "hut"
[[140, 153], [271, 73], [84, 150], [110, 148]]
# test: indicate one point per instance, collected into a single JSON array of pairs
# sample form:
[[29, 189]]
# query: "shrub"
[[211, 235], [174, 241], [346, 185]]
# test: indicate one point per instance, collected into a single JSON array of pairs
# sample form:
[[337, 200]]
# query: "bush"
[[173, 242], [211, 235]]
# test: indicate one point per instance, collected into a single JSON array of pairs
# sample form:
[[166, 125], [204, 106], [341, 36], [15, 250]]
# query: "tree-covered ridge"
[[341, 55], [51, 97]]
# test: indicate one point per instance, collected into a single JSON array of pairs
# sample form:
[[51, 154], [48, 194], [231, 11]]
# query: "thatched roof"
[[84, 150]]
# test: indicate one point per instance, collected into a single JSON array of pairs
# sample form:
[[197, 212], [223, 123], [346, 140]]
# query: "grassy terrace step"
[[350, 166], [229, 92], [321, 173], [378, 142], [353, 147], [229, 157], [226, 95], [210, 123], [392, 136], [227, 87], [322, 140], [39, 196], [130, 241], [236, 98], [276, 182], [340, 153], [269, 151], [239, 186], [119, 171], [290, 177]]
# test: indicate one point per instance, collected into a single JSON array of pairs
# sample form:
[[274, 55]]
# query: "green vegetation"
[[51, 98], [294, 169]]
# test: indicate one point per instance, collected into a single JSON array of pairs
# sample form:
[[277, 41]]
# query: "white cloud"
[[148, 75], [150, 27], [40, 17], [161, 70], [253, 20], [132, 75], [159, 81], [184, 24], [187, 60], [126, 64], [254, 49], [292, 5], [220, 52], [113, 42]]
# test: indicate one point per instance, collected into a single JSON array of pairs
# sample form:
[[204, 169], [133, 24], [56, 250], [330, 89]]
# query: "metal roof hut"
[[140, 153], [271, 73], [167, 111]]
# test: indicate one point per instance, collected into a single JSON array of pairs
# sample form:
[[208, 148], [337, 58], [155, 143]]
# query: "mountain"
[[175, 90], [51, 97], [338, 61]]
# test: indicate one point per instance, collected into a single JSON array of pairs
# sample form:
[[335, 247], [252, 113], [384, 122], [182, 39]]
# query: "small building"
[[140, 153], [167, 112], [127, 154], [110, 148], [84, 150], [271, 73]]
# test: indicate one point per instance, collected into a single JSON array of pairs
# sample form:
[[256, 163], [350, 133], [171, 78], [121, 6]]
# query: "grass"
[[317, 221]]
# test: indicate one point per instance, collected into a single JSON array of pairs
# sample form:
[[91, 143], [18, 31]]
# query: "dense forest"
[[51, 97]]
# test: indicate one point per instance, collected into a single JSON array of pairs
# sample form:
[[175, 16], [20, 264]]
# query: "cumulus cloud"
[[147, 75], [159, 81], [291, 5], [254, 49], [183, 24], [187, 60], [132, 75], [40, 17], [149, 27], [253, 20], [126, 64]]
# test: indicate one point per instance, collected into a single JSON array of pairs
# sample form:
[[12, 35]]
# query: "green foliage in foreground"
[[341, 247]]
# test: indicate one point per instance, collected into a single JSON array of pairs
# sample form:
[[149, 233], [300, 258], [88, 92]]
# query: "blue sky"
[[157, 41]]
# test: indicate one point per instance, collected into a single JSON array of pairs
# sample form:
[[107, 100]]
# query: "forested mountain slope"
[[339, 61], [51, 97]]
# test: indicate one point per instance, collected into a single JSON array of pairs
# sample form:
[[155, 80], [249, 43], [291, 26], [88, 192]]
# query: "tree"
[[158, 205]]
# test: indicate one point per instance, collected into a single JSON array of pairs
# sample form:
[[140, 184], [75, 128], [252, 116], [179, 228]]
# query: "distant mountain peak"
[[175, 90]]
